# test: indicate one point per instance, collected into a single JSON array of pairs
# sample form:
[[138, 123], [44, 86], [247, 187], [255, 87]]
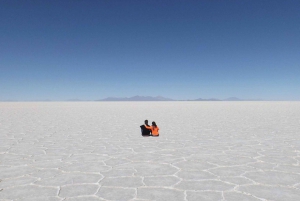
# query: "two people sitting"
[[149, 130]]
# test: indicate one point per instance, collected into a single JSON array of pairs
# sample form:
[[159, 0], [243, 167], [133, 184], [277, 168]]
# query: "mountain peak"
[[232, 99]]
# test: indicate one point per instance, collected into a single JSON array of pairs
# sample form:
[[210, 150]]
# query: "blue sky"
[[89, 50]]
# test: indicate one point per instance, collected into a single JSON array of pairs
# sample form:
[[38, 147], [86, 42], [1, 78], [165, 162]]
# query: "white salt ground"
[[52, 151]]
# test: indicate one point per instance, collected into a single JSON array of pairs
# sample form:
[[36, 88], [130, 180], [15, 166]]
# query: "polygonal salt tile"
[[168, 145], [49, 157], [272, 192], [112, 151], [231, 171], [98, 146], [90, 166], [70, 178], [161, 181], [46, 173], [129, 145], [278, 160], [87, 157], [29, 191], [262, 165], [80, 150], [207, 185], [289, 168], [159, 194], [122, 182], [203, 196], [209, 151], [193, 165], [235, 160], [236, 180], [143, 157], [119, 173], [116, 161], [139, 200], [55, 151], [17, 171], [84, 198], [48, 164], [143, 150], [40, 199], [279, 152], [245, 153], [13, 157], [117, 194], [16, 181], [27, 151], [169, 159], [208, 158], [20, 162], [150, 169], [195, 175], [78, 190], [274, 177], [171, 152], [233, 196]]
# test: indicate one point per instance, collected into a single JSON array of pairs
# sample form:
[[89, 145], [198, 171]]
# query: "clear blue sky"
[[89, 50]]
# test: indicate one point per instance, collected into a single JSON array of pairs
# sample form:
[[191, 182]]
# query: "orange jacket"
[[153, 129]]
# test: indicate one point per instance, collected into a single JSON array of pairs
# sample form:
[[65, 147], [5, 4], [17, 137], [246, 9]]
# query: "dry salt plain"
[[88, 151]]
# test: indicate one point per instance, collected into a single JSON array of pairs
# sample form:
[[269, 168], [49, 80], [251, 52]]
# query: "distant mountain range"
[[141, 98], [160, 98], [138, 98], [209, 99]]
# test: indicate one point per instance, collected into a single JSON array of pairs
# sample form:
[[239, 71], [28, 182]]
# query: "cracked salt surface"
[[90, 151]]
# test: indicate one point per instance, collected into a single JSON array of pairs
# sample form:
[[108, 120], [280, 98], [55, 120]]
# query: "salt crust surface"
[[53, 151]]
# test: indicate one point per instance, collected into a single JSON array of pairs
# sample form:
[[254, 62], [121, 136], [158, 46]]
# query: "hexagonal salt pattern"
[[93, 151]]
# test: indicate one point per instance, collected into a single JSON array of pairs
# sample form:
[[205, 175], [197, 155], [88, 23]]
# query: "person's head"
[[146, 122], [154, 124]]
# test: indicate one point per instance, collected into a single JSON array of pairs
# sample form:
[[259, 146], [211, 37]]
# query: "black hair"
[[154, 124]]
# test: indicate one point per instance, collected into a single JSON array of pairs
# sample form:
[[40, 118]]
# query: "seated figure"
[[144, 130]]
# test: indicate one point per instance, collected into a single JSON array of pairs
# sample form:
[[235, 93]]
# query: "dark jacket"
[[145, 131]]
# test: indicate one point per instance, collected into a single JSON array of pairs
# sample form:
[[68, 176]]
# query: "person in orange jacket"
[[154, 128]]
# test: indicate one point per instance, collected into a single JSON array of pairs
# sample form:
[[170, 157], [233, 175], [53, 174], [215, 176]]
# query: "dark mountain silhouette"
[[138, 98], [209, 99], [232, 99]]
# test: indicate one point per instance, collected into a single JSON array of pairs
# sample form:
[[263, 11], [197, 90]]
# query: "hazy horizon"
[[62, 50], [103, 99]]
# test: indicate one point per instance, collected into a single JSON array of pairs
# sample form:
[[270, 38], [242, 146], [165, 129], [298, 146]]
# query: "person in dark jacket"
[[144, 130]]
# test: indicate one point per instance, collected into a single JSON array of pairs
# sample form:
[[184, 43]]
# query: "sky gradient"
[[89, 50]]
